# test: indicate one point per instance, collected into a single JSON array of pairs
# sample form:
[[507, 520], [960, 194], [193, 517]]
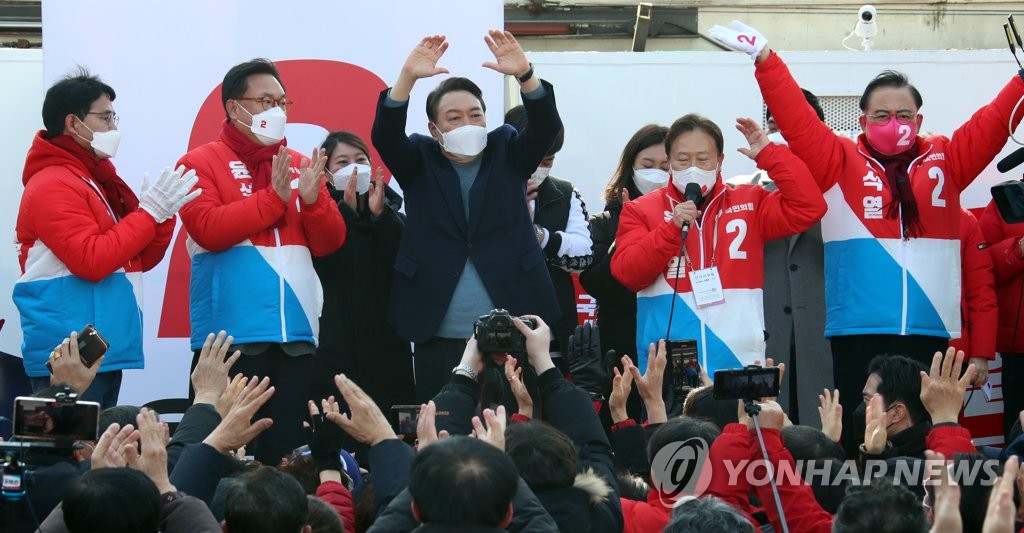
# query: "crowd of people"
[[317, 303]]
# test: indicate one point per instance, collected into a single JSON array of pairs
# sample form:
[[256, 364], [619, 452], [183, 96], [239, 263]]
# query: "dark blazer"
[[554, 207], [616, 305], [498, 236]]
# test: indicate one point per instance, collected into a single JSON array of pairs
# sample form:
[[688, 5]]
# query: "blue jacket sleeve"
[[199, 470], [196, 424]]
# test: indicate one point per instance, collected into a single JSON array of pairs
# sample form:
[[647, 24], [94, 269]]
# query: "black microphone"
[[1011, 161], [692, 194]]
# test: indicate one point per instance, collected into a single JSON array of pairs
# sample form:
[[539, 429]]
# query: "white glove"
[[741, 38], [164, 198]]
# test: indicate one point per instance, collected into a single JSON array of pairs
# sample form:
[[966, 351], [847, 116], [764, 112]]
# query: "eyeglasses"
[[268, 102], [109, 117], [904, 117]]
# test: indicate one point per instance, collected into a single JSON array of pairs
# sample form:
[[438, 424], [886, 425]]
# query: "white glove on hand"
[[164, 198], [741, 38]]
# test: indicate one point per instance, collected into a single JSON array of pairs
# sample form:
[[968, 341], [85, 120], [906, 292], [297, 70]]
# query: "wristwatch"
[[465, 369], [526, 77], [539, 233]]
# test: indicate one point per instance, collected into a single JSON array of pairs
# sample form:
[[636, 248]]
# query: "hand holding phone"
[[90, 346]]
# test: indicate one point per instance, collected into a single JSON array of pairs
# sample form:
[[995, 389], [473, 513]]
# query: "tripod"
[[752, 409]]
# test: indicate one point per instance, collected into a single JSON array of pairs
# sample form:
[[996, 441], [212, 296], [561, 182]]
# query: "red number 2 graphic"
[[263, 123], [747, 39]]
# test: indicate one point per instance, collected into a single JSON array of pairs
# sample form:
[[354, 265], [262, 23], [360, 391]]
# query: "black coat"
[[355, 336], [616, 305], [592, 503], [498, 236], [554, 197]]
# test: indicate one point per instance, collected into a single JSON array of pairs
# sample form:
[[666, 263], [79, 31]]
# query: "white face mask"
[[105, 143], [539, 175], [705, 178], [267, 126], [776, 138], [649, 179], [465, 141], [341, 177]]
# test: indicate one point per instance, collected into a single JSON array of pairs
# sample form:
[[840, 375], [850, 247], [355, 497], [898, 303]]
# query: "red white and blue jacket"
[[80, 264], [877, 282], [730, 234], [252, 268]]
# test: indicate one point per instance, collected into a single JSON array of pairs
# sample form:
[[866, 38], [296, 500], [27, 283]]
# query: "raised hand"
[[422, 60], [375, 199], [426, 426], [172, 190], [999, 517], [588, 367], [515, 380], [152, 460], [942, 389], [494, 433], [110, 449], [831, 412], [875, 434], [650, 383], [741, 38], [281, 173], [538, 343], [509, 58], [311, 176], [366, 423], [238, 428], [756, 137], [622, 384], [210, 377]]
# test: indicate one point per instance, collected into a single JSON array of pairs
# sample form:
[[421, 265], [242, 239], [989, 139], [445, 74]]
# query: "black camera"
[[750, 383], [495, 333]]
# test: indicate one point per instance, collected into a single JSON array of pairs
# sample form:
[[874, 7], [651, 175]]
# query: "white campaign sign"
[[166, 61]]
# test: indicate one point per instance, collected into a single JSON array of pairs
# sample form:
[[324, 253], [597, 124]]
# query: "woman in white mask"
[[642, 168], [355, 336]]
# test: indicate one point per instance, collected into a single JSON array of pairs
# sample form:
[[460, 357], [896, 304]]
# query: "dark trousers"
[[290, 377], [1013, 396], [851, 355], [103, 390], [433, 362]]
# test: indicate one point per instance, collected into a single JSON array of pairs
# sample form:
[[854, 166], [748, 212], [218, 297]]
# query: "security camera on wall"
[[866, 27]]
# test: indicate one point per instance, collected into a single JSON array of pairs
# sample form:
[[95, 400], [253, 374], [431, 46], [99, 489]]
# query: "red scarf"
[[897, 170], [119, 195], [257, 158]]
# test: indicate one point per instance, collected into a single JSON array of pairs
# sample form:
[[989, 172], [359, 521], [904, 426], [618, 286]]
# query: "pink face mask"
[[891, 137]]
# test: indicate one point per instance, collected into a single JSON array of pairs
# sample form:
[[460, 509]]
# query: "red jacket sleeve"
[[798, 204], [809, 138], [979, 291], [154, 253], [322, 224], [217, 226], [802, 511], [65, 223], [732, 445], [949, 440], [978, 141], [339, 497], [641, 253], [1007, 263]]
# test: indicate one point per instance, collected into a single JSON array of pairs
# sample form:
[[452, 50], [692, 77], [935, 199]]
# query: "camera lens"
[[866, 16]]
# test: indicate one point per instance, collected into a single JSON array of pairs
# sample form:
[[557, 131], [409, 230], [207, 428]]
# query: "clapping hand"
[[311, 176]]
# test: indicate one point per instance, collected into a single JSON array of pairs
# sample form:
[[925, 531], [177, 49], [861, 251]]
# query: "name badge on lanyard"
[[707, 287]]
